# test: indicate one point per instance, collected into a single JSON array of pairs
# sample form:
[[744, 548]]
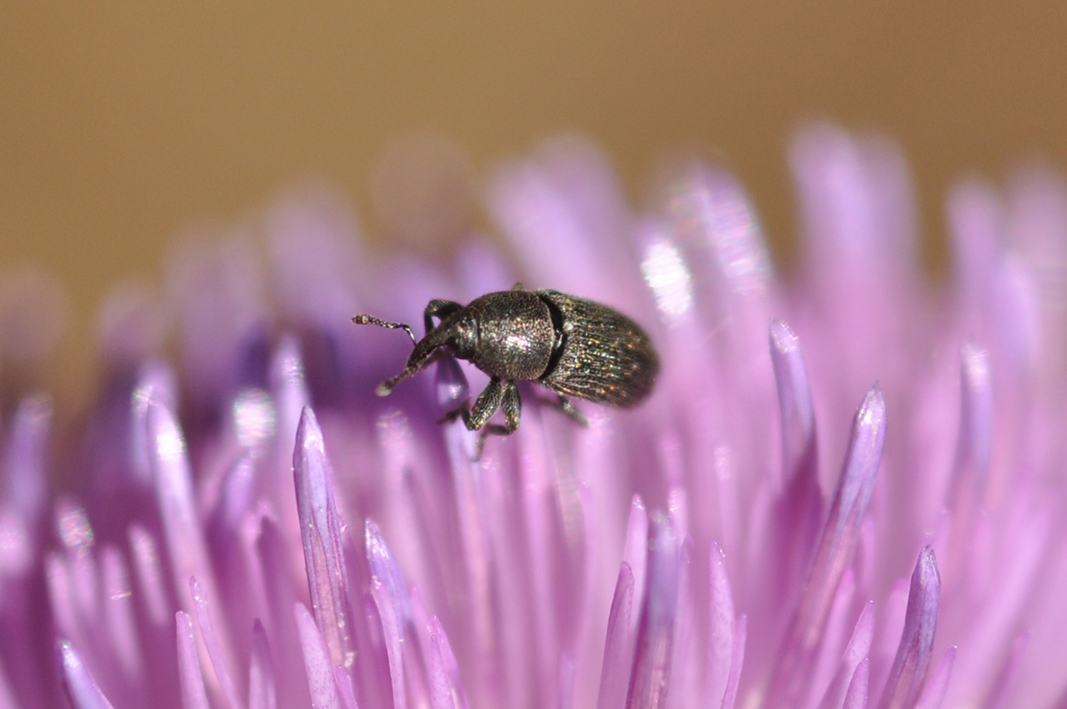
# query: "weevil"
[[575, 347]]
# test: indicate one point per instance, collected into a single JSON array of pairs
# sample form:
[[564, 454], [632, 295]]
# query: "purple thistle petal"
[[737, 664], [155, 385], [796, 513], [721, 629], [118, 616], [916, 644], [756, 580], [219, 661], [539, 210], [314, 257], [1000, 692], [24, 474], [971, 467], [182, 528], [686, 676], [476, 546], [281, 597], [618, 646], [174, 488], [714, 218], [842, 183], [7, 693], [933, 694], [858, 687], [1021, 570], [794, 405], [216, 289], [149, 573], [835, 549], [446, 690], [635, 553], [61, 595], [975, 219], [450, 384], [321, 530], [651, 677], [977, 420], [829, 655], [344, 688], [857, 650], [262, 692], [288, 388], [194, 696], [387, 588], [320, 674], [82, 689]]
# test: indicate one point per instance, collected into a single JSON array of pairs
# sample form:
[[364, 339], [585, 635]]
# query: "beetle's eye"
[[462, 340]]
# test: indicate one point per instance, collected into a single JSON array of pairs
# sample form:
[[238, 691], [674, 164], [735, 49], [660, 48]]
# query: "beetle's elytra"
[[575, 347]]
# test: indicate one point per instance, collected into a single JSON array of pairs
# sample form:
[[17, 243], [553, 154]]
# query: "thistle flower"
[[772, 528]]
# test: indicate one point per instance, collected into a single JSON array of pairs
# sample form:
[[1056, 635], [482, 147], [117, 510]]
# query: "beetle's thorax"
[[509, 335]]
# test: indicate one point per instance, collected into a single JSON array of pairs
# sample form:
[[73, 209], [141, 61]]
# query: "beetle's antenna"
[[371, 320]]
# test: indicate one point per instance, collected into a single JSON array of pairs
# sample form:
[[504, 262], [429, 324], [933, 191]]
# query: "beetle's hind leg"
[[564, 404]]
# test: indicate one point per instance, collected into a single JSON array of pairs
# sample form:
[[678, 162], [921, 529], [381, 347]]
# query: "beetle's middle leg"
[[496, 395]]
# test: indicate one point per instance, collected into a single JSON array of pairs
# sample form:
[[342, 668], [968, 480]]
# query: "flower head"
[[771, 528]]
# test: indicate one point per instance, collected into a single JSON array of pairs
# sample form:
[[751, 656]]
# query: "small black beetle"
[[575, 347]]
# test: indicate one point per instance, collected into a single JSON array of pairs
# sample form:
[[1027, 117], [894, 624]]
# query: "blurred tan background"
[[120, 124]]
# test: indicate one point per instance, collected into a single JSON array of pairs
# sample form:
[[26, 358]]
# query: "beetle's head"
[[460, 336]]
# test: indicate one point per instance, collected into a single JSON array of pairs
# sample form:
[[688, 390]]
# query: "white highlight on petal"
[[667, 274], [254, 417], [72, 525]]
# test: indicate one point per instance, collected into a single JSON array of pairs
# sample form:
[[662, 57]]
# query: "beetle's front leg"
[[486, 405], [439, 309]]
